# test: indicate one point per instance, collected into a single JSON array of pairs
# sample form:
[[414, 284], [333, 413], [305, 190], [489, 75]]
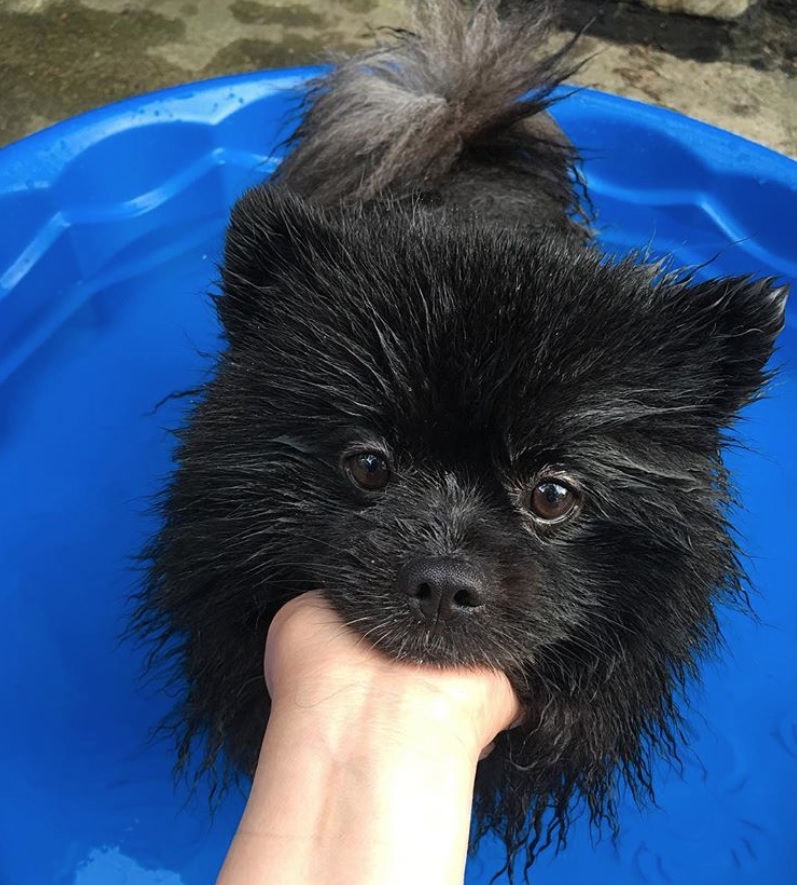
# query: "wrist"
[[331, 794], [387, 713]]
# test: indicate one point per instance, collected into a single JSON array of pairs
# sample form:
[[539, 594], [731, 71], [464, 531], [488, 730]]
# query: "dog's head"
[[483, 450]]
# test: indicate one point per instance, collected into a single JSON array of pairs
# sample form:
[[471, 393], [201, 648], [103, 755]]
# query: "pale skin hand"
[[367, 766]]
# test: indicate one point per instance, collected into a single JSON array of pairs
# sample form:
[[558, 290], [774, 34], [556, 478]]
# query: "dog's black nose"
[[442, 588]]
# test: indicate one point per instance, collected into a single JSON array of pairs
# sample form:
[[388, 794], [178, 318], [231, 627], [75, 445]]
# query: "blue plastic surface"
[[109, 228]]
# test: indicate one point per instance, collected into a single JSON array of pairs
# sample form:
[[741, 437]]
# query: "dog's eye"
[[369, 470], [552, 501]]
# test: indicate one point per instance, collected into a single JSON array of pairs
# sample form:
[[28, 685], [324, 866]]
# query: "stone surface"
[[723, 9], [760, 105], [60, 57], [25, 5]]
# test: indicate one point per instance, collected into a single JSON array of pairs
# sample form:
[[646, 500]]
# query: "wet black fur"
[[477, 355]]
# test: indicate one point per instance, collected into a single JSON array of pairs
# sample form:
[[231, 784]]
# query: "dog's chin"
[[441, 644], [436, 649]]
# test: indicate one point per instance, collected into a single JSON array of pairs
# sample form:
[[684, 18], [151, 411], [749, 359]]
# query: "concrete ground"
[[60, 57]]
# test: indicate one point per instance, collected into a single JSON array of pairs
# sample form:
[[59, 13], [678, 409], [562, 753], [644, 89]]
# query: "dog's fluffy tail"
[[466, 88]]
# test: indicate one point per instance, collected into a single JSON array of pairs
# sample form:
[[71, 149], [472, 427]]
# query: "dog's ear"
[[272, 235], [722, 334]]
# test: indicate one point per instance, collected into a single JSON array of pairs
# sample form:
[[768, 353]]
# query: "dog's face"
[[483, 450]]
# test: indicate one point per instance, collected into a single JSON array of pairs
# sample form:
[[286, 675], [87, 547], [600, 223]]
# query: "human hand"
[[316, 665], [361, 753]]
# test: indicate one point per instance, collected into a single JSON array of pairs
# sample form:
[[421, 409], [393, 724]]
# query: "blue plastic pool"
[[109, 228]]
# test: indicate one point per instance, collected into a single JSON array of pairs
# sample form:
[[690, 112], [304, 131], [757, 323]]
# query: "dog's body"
[[442, 405]]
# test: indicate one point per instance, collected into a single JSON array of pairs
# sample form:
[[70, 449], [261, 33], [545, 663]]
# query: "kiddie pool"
[[110, 224]]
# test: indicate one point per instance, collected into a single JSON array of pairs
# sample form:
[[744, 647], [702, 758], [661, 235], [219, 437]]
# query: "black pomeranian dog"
[[487, 442]]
